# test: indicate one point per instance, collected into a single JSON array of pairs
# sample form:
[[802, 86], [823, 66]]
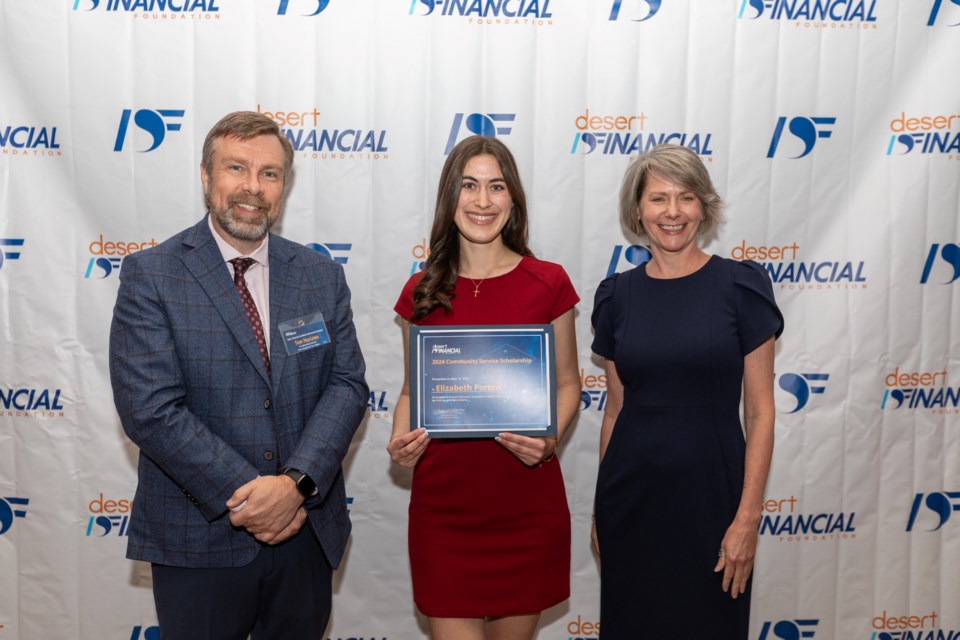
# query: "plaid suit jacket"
[[193, 394]]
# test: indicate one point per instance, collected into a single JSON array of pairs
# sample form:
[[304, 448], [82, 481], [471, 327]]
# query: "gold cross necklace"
[[476, 285]]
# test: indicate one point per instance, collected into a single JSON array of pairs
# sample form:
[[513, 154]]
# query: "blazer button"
[[268, 455], [266, 403]]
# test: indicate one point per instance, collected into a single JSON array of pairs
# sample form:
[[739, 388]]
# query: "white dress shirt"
[[257, 276]]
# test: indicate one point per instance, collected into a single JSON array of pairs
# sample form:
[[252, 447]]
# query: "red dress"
[[489, 536]]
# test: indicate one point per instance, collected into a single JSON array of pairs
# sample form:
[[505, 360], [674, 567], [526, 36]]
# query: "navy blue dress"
[[670, 481]]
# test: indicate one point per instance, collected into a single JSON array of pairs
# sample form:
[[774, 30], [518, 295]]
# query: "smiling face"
[[484, 205], [670, 215], [243, 188]]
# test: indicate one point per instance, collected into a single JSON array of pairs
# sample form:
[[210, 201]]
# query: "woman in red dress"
[[489, 531]]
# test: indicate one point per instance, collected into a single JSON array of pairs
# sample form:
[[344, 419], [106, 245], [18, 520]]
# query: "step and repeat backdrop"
[[831, 128]]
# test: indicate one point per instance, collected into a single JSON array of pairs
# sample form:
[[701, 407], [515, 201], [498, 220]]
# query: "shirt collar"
[[260, 254]]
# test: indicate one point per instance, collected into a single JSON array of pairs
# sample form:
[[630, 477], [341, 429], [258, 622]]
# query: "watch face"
[[306, 486]]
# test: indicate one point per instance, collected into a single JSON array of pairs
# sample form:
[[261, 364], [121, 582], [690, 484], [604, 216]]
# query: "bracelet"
[[553, 454]]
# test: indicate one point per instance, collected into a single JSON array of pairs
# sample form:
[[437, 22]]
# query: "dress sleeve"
[[404, 306], [602, 319], [758, 316], [564, 295]]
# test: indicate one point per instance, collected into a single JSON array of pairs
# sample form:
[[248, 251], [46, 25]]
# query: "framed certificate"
[[476, 382]]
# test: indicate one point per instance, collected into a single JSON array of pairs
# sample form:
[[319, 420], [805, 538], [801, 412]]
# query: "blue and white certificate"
[[475, 382]]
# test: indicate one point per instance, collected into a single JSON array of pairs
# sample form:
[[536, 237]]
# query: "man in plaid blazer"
[[236, 370]]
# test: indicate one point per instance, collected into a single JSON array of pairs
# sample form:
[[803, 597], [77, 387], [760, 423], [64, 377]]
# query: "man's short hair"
[[246, 125]]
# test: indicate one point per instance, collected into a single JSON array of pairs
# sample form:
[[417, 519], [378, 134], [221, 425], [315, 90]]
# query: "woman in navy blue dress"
[[681, 481]]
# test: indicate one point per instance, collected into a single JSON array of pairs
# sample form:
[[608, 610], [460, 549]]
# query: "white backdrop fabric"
[[830, 127]]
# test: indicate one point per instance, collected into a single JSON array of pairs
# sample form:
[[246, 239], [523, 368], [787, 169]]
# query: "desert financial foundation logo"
[[781, 520], [315, 142], [593, 391], [31, 402], [420, 253], [580, 629], [920, 390], [106, 256], [911, 626], [159, 10], [507, 13], [788, 273], [108, 517], [925, 135], [21, 140], [812, 14], [627, 134]]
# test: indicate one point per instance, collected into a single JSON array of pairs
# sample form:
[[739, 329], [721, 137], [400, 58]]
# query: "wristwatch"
[[305, 484]]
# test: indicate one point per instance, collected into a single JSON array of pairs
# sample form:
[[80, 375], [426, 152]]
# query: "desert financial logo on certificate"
[[470, 382]]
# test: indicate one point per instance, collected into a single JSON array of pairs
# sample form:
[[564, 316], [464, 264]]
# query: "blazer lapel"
[[204, 260], [284, 298]]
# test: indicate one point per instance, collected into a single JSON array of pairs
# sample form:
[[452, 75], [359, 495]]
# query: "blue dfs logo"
[[429, 4], [481, 124], [320, 4], [936, 10], [105, 267], [328, 249], [153, 122], [943, 504], [652, 7], [590, 397], [8, 512], [107, 524], [634, 254], [802, 385], [950, 253], [807, 130], [908, 140], [758, 5], [13, 253], [148, 633], [789, 629]]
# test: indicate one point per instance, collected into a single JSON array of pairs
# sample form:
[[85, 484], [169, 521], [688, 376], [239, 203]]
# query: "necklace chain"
[[476, 285]]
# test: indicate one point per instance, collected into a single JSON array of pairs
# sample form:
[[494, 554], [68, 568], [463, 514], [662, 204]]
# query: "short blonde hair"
[[676, 164]]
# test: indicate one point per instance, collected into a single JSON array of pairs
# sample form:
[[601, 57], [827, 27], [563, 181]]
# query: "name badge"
[[303, 333]]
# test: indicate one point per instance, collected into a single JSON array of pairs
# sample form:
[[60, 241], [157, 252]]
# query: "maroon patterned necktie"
[[240, 266]]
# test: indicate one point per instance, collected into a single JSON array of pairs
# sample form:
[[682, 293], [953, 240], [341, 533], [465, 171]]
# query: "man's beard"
[[243, 228]]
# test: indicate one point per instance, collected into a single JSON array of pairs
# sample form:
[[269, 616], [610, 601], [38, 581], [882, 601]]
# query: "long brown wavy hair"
[[435, 288]]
